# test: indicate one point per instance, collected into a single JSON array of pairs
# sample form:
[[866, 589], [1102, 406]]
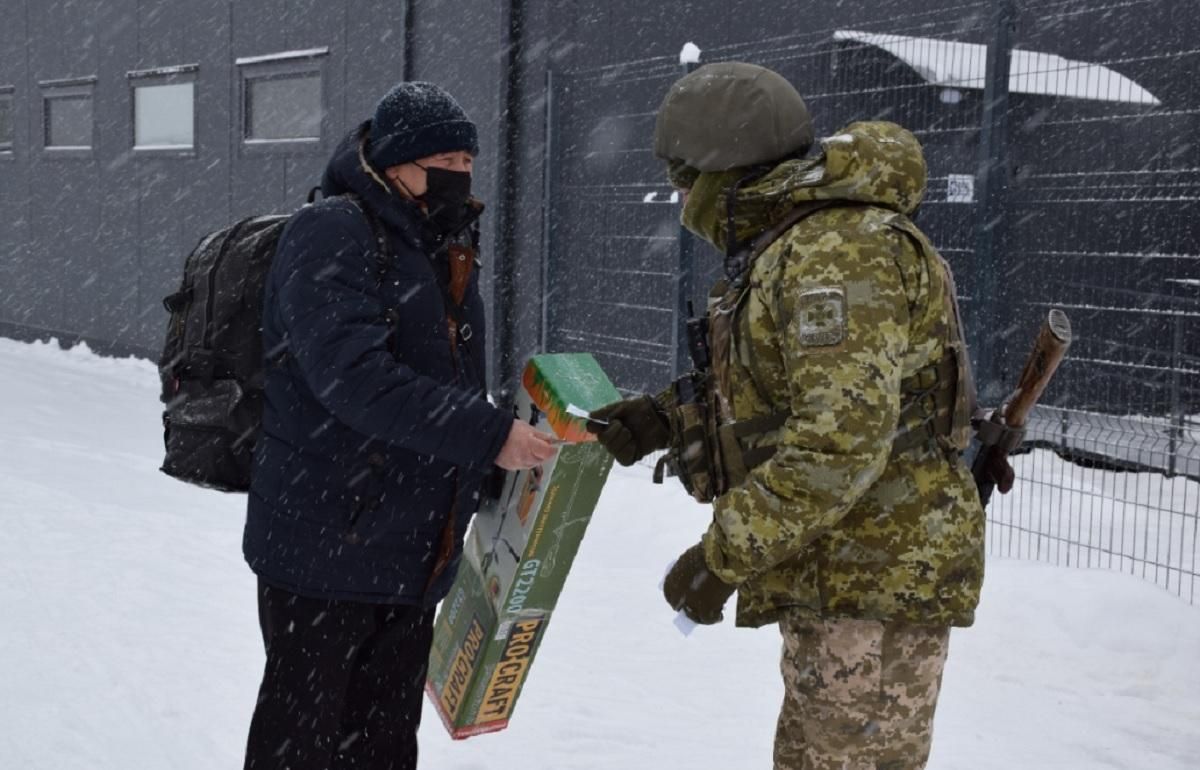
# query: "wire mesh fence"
[[1102, 203], [1079, 507], [1064, 171]]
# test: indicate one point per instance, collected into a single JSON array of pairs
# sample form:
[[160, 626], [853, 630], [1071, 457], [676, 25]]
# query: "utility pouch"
[[949, 423], [690, 456], [964, 405], [708, 458]]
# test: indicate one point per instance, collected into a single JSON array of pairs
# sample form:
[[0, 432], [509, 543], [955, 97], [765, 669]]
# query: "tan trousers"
[[859, 694]]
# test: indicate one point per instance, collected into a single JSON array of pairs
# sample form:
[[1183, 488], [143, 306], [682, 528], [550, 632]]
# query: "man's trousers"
[[343, 684]]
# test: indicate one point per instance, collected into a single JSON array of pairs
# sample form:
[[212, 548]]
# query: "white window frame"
[[281, 65], [165, 76], [67, 88]]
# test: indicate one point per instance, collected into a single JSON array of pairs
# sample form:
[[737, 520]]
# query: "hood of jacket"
[[349, 172], [875, 163]]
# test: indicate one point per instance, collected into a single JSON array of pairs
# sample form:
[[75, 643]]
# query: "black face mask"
[[445, 198]]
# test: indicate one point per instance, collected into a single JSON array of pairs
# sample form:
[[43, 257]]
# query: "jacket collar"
[[349, 171]]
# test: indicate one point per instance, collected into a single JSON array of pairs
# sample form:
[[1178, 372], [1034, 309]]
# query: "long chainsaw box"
[[518, 552]]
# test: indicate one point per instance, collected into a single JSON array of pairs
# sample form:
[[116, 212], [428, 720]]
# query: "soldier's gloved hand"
[[1001, 472], [636, 427], [693, 588]]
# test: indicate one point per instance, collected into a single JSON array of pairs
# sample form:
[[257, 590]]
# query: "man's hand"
[[525, 447], [634, 428], [692, 588]]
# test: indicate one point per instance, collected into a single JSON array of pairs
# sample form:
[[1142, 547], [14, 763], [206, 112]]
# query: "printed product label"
[[520, 591], [510, 671], [461, 669]]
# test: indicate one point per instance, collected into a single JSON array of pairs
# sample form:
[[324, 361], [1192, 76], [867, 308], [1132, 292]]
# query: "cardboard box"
[[518, 552]]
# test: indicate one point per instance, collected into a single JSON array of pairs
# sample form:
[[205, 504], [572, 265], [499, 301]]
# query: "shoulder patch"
[[822, 317]]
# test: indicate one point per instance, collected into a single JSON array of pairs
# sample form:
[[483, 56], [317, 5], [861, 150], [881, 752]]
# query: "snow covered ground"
[[128, 637]]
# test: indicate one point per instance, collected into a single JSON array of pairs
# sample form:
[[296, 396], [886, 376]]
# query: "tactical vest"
[[713, 452]]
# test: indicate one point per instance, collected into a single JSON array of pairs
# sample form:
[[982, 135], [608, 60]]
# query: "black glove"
[[634, 429], [1001, 472], [692, 587]]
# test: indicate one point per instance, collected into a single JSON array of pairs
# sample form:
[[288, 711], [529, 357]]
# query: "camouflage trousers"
[[859, 694]]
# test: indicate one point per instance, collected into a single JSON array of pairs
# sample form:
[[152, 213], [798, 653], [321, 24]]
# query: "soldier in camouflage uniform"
[[852, 523]]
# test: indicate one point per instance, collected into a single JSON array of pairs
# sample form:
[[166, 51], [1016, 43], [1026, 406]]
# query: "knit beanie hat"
[[416, 120]]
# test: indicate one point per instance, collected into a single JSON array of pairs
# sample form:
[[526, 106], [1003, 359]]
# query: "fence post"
[[992, 175], [1175, 430], [547, 213], [507, 343], [685, 274]]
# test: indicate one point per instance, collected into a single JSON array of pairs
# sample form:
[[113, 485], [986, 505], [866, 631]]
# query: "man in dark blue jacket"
[[377, 438]]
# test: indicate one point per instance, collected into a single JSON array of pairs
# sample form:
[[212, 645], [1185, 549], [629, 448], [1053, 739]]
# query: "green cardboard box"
[[518, 552]]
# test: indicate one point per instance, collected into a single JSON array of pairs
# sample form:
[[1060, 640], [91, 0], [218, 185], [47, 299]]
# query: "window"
[[163, 116], [67, 125], [282, 100], [164, 111], [283, 107], [69, 122], [6, 120]]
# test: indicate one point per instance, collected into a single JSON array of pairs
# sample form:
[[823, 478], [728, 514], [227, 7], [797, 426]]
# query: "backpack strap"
[[382, 257], [201, 358]]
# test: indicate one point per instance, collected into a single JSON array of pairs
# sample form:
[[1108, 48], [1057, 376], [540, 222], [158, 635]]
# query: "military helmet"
[[730, 115]]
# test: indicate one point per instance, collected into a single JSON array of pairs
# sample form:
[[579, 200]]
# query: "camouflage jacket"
[[837, 312]]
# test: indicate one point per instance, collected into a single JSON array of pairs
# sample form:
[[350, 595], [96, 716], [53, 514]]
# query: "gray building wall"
[[92, 244], [88, 246]]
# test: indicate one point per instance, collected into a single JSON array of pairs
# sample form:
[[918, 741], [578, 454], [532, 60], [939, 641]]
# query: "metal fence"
[[1103, 198], [1061, 139], [1092, 511]]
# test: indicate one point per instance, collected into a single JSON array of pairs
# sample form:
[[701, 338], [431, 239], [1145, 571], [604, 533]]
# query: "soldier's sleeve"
[[840, 317]]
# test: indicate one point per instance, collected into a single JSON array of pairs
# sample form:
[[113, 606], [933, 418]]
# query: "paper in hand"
[[576, 411]]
